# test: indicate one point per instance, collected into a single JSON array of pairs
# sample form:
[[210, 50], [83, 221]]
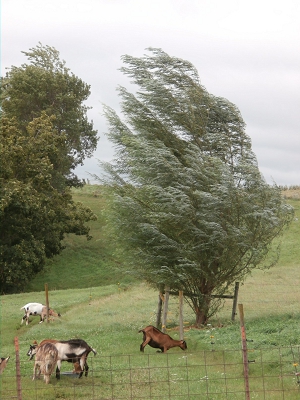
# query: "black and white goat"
[[73, 350], [45, 361], [37, 309]]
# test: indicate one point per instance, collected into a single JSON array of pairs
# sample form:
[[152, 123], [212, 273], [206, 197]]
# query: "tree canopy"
[[45, 84], [189, 205], [34, 215], [44, 135]]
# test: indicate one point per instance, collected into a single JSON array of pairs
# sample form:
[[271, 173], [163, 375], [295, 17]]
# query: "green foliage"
[[47, 85], [34, 215], [188, 202], [45, 135]]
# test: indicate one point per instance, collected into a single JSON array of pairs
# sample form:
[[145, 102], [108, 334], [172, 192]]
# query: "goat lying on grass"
[[45, 361], [3, 362], [37, 309], [73, 350], [159, 340]]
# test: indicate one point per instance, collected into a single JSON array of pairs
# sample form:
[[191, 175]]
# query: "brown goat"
[[51, 313], [45, 361], [3, 362], [159, 340]]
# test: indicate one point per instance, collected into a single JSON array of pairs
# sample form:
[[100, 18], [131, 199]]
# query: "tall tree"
[[34, 215], [45, 84], [189, 204]]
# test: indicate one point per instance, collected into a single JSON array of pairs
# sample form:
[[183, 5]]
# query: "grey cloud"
[[247, 54]]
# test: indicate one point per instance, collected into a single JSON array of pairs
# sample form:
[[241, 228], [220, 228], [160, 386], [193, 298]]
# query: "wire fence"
[[259, 299], [213, 375]]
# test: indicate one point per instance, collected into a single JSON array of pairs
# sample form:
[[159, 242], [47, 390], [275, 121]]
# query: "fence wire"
[[213, 375]]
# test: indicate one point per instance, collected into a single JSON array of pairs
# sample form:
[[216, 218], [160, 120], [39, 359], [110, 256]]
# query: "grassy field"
[[106, 308], [83, 263]]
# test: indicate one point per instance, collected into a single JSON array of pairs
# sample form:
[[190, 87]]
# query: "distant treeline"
[[292, 187]]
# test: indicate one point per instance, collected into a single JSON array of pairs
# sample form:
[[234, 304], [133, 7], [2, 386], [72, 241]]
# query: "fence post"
[[165, 312], [235, 299], [159, 307], [47, 301], [18, 369], [181, 314], [244, 352]]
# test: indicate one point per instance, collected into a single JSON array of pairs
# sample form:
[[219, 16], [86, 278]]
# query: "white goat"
[[37, 309]]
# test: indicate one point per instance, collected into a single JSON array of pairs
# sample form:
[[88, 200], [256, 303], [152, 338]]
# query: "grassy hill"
[[83, 263]]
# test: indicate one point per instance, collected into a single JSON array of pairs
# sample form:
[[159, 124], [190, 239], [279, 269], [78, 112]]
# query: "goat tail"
[[94, 351]]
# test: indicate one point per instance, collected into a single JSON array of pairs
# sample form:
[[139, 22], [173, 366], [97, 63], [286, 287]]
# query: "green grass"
[[109, 318], [290, 251], [112, 308], [83, 263]]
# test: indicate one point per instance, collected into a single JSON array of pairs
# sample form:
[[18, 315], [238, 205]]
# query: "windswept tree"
[[34, 215], [46, 85], [189, 205]]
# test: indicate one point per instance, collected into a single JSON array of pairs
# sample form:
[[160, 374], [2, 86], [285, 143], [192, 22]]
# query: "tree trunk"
[[201, 307], [201, 317]]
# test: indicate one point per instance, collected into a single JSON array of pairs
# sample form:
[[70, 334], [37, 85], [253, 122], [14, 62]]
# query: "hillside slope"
[[84, 264]]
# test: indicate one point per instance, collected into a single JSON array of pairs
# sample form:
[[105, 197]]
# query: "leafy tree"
[[189, 205], [34, 215], [47, 85]]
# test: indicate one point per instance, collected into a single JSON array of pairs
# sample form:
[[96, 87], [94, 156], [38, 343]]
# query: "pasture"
[[109, 313]]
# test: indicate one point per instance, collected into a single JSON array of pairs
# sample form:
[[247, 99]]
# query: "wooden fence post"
[[244, 352], [159, 307], [165, 311], [235, 299], [47, 300], [181, 314], [18, 369]]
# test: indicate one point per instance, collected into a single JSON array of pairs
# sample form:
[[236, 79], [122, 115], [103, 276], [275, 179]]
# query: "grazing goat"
[[3, 362], [159, 340], [37, 309], [73, 350], [45, 361]]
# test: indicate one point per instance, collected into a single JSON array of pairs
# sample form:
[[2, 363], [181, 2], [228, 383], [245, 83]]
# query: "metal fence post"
[[244, 352]]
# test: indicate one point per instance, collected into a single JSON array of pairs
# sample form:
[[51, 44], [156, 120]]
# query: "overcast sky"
[[245, 51]]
